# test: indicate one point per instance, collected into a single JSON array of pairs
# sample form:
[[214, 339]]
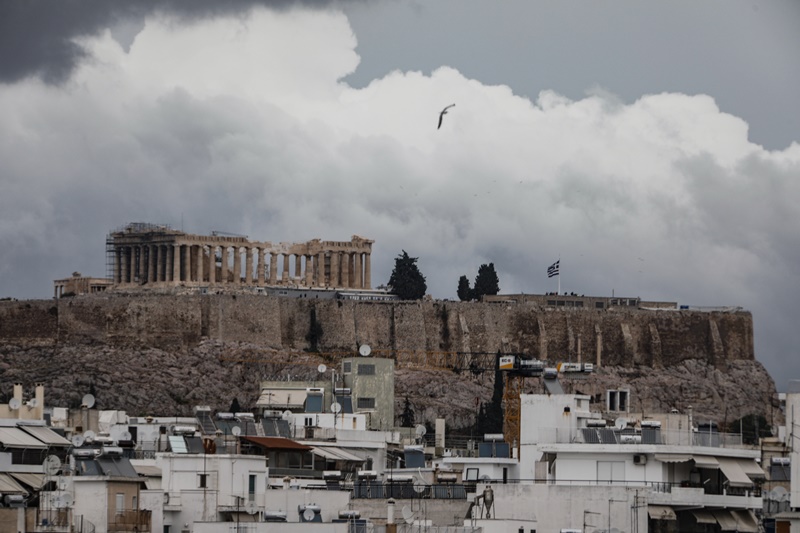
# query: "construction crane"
[[515, 369]]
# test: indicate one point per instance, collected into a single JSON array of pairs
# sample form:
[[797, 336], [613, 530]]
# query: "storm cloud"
[[244, 123]]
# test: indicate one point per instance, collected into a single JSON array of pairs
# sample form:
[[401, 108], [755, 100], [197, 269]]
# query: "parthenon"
[[143, 254]]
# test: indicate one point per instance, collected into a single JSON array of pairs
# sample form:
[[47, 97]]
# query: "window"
[[366, 370], [617, 400], [309, 421], [610, 471], [598, 305], [347, 367], [366, 403], [120, 502], [202, 480], [251, 487], [472, 474]]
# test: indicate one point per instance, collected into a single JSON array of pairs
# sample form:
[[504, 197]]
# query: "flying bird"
[[442, 114]]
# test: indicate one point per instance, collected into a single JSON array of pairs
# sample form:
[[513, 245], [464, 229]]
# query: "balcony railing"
[[656, 436], [129, 521], [379, 490]]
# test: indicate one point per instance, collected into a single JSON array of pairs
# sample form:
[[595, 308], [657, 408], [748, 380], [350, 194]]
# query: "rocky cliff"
[[163, 354]]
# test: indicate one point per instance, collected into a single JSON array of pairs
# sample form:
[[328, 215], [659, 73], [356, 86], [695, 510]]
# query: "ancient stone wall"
[[619, 337], [162, 354]]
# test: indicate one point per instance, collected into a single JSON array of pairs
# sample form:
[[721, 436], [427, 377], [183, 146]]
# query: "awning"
[[734, 473], [147, 470], [336, 454], [34, 481], [9, 486], [673, 457], [705, 461], [726, 521], [704, 517], [752, 468], [746, 520], [16, 438], [661, 512], [46, 435]]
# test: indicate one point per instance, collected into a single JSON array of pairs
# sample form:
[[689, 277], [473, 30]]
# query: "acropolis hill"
[[165, 353]]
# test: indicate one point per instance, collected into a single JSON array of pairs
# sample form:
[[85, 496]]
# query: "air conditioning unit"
[[639, 459]]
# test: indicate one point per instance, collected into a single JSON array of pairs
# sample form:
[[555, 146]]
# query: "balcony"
[[129, 521]]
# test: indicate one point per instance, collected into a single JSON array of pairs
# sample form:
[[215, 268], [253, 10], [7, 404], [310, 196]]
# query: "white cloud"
[[244, 125]]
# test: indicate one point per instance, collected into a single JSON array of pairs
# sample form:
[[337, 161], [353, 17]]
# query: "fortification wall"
[[625, 337]]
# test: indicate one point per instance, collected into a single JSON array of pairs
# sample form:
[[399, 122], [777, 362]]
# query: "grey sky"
[[625, 139]]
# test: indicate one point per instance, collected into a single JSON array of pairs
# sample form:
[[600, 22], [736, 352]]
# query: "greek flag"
[[552, 270]]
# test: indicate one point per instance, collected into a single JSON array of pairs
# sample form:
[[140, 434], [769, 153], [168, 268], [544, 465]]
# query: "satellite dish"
[[336, 407], [66, 499], [251, 508], [621, 423], [126, 435], [779, 494], [485, 477], [308, 515], [408, 514], [322, 368], [87, 401], [286, 415], [77, 440], [89, 435], [421, 430], [32, 403], [14, 404], [52, 465], [236, 430], [419, 487], [364, 350]]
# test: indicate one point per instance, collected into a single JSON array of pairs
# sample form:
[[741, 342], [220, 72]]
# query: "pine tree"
[[464, 292], [407, 416], [486, 282], [407, 281]]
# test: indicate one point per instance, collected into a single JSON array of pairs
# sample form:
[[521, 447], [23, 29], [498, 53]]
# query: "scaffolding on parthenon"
[[133, 227]]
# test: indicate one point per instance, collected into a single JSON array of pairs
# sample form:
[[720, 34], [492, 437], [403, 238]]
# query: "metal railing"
[[407, 491]]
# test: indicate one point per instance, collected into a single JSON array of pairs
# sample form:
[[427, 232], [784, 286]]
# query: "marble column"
[[321, 269], [335, 274], [309, 270], [237, 265], [124, 273], [212, 264], [199, 254], [358, 278], [273, 268], [176, 263], [159, 263], [345, 266], [285, 276], [142, 264], [188, 258], [262, 271], [118, 265], [367, 271], [151, 264], [248, 267], [223, 276]]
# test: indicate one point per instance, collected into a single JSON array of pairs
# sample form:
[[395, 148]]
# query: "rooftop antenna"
[[321, 369], [621, 423], [77, 441], [14, 404], [52, 465], [364, 350]]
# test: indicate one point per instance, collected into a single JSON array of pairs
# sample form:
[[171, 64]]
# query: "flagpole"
[[559, 275]]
